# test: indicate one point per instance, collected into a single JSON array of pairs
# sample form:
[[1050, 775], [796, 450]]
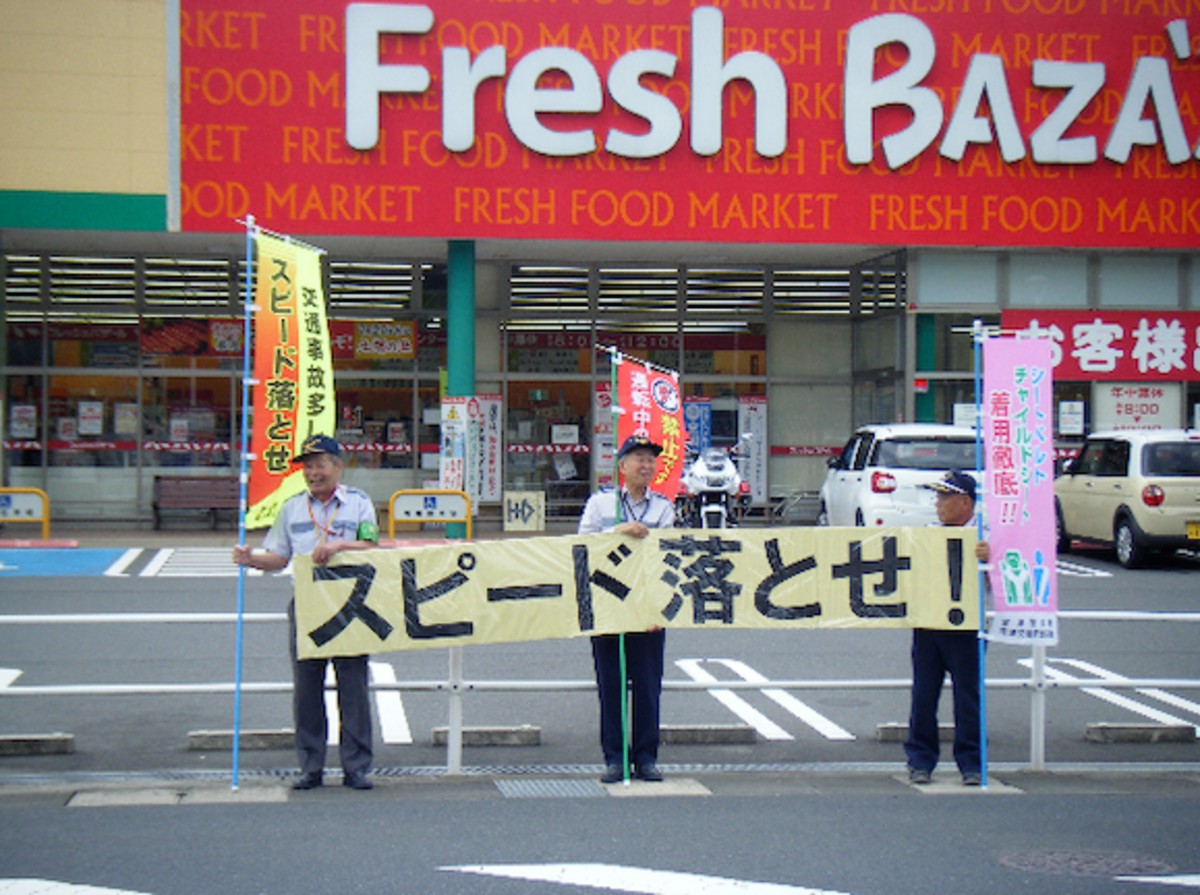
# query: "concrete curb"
[[707, 734], [1140, 733], [222, 740], [895, 732], [38, 744], [522, 735]]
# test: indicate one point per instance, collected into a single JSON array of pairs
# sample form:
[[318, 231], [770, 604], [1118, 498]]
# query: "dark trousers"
[[934, 653], [308, 709], [644, 671]]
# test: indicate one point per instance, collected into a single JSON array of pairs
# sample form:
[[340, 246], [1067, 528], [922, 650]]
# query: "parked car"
[[1138, 490], [878, 477]]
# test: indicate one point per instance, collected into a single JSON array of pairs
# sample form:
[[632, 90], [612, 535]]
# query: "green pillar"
[[925, 408], [460, 332]]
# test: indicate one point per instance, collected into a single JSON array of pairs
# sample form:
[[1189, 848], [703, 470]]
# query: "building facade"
[[801, 206]]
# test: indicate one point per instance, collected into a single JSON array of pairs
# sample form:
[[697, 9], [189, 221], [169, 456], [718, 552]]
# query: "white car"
[[878, 477], [1138, 490]]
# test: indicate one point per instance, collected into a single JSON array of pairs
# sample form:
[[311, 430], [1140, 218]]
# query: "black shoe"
[[612, 774], [308, 781], [650, 773], [972, 778], [919, 776], [357, 780]]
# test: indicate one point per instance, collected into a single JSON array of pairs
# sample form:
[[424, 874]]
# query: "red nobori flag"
[[650, 405]]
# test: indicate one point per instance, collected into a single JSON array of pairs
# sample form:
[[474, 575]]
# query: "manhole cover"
[[1086, 863]]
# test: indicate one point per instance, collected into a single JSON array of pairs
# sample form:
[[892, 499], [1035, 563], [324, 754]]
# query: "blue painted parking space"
[[54, 562]]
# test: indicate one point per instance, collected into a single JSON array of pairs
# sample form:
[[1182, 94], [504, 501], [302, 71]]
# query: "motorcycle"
[[712, 492]]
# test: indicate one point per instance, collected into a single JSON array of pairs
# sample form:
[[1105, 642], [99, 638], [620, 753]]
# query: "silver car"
[[878, 477]]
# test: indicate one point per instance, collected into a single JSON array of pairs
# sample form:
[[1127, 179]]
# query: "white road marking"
[[117, 569], [1078, 571], [201, 562], [393, 721], [1178, 702], [1186, 880], [53, 887], [752, 716], [1116, 699], [389, 708], [8, 676], [801, 710], [156, 563], [615, 878]]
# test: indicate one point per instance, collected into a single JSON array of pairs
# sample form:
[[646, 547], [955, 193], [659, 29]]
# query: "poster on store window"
[[91, 417], [491, 445], [452, 456], [1018, 440], [22, 421], [1137, 405], [698, 418], [125, 418], [602, 438], [753, 447]]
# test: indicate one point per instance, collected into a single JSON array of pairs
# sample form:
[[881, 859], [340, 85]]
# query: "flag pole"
[[614, 362], [243, 479], [982, 640]]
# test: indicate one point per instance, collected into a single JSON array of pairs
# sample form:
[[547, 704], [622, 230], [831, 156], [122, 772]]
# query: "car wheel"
[[1130, 553], [823, 515], [1060, 531]]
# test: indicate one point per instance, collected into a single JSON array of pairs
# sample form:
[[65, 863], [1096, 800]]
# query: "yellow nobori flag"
[[293, 369]]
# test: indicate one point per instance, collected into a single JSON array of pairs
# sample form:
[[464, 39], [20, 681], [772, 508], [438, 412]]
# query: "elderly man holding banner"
[[633, 510], [323, 520]]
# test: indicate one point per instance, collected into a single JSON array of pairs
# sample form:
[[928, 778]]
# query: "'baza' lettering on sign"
[[1149, 113]]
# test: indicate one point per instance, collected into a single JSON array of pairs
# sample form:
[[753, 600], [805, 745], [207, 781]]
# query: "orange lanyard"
[[324, 530]]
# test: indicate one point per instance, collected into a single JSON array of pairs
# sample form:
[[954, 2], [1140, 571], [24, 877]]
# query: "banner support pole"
[[243, 479], [978, 337], [614, 360]]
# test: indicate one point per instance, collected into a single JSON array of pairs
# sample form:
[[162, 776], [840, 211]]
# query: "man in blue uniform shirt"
[[936, 653], [324, 520], [640, 510]]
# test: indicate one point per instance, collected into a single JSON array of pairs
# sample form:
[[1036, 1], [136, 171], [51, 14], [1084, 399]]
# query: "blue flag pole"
[[243, 480], [978, 336]]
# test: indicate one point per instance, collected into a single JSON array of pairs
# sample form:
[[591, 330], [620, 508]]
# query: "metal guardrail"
[[1039, 683]]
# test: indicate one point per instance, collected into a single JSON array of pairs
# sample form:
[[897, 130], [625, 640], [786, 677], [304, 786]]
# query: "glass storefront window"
[[548, 436], [185, 421], [375, 422]]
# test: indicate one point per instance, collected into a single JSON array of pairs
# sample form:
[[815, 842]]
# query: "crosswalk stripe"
[[644, 880], [801, 710], [752, 716]]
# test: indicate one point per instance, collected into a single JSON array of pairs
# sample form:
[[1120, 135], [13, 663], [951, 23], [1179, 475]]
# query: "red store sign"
[[1129, 346], [1072, 122]]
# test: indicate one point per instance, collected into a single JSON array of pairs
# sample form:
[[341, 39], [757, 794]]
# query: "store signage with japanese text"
[[991, 122], [1130, 346], [517, 590]]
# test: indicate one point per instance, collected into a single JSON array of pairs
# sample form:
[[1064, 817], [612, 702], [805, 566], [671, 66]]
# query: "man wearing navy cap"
[[935, 652], [640, 510], [324, 520]]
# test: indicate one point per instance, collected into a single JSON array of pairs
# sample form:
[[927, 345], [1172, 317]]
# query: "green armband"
[[368, 531]]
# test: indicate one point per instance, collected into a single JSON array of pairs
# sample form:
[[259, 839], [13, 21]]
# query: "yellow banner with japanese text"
[[517, 590], [293, 369]]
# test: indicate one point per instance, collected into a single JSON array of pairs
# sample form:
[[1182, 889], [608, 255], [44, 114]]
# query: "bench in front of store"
[[191, 493]]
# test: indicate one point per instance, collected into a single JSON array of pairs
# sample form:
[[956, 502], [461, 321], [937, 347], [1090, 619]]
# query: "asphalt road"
[[813, 811]]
